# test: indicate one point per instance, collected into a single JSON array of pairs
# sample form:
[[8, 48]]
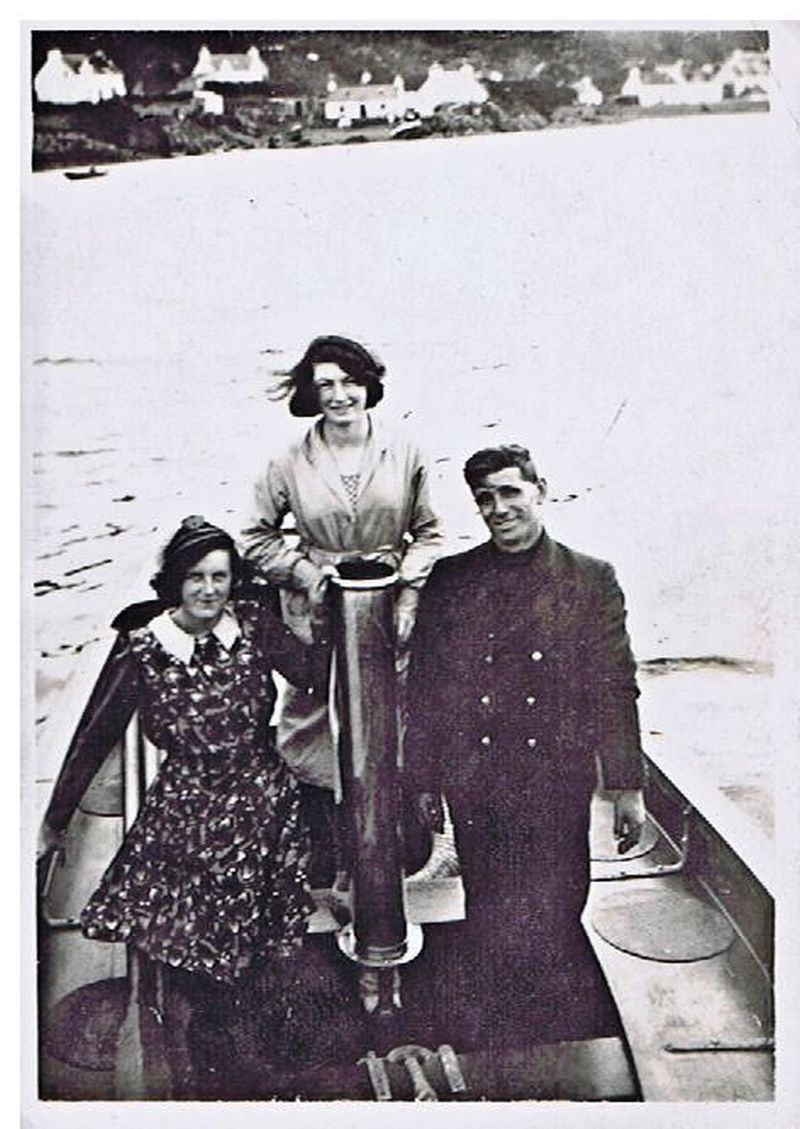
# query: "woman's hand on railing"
[[50, 840], [317, 594], [49, 851]]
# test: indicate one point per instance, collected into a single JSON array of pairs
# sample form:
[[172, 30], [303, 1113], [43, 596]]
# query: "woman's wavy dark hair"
[[189, 544], [352, 358]]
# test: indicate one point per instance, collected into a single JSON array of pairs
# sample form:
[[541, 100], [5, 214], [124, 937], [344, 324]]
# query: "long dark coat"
[[522, 681]]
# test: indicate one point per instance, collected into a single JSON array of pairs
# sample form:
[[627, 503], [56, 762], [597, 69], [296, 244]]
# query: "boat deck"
[[695, 1021], [693, 995]]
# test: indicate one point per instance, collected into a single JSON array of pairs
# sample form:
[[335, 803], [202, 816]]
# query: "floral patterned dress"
[[211, 876]]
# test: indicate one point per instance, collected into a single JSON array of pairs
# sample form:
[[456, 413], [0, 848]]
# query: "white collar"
[[181, 644]]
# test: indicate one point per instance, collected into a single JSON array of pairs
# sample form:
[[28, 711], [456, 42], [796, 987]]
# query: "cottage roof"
[[657, 78], [749, 63], [98, 61], [362, 93], [236, 62]]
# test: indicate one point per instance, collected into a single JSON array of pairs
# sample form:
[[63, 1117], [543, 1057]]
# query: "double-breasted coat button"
[[531, 742], [485, 699], [530, 700], [537, 656], [486, 740], [488, 658]]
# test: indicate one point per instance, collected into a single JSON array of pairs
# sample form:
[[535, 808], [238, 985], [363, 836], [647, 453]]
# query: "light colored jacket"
[[393, 519]]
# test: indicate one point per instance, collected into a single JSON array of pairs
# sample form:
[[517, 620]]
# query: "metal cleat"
[[378, 1077], [411, 1056], [451, 1069]]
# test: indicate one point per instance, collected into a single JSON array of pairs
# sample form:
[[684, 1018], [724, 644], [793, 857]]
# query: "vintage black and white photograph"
[[409, 420]]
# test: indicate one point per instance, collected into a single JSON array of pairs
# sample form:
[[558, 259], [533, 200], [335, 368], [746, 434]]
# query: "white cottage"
[[67, 79], [586, 92], [745, 74], [670, 86], [460, 87], [230, 68], [346, 105], [208, 102]]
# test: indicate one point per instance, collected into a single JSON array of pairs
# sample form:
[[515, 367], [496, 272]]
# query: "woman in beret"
[[211, 879]]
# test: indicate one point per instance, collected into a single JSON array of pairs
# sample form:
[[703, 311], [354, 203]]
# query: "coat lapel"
[[324, 465], [373, 453]]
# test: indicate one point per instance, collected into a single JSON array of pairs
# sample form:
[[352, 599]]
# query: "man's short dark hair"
[[492, 459]]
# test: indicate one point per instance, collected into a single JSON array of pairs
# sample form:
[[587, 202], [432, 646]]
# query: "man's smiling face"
[[510, 504]]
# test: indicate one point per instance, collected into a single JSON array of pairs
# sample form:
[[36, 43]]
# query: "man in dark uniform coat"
[[522, 684]]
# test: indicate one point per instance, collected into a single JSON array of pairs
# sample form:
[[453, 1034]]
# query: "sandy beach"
[[615, 297]]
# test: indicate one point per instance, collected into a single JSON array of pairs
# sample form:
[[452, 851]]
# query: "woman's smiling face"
[[206, 590], [342, 400]]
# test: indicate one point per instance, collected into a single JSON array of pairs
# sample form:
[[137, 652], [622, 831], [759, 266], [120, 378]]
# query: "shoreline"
[[373, 134]]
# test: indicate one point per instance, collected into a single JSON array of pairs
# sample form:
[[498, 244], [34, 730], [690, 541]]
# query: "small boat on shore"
[[85, 174]]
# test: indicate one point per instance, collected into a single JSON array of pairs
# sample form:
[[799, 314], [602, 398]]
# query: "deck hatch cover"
[[662, 924]]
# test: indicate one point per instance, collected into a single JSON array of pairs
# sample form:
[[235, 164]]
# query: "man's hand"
[[404, 625], [405, 613], [430, 812], [629, 817]]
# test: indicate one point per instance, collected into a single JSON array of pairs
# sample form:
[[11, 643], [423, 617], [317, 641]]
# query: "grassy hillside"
[[528, 74], [157, 59]]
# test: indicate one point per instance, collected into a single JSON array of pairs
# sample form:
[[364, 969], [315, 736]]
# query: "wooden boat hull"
[[84, 174], [697, 1010]]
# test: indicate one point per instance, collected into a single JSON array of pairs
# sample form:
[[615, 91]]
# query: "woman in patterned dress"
[[354, 490], [211, 877]]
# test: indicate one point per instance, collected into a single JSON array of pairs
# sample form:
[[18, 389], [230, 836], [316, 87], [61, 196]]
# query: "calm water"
[[616, 297]]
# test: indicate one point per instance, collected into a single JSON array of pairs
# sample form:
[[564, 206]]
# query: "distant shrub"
[[149, 137]]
